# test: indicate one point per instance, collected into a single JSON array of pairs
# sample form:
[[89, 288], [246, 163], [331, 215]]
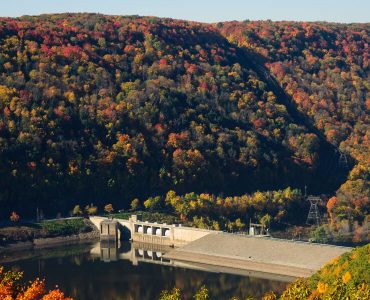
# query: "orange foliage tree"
[[14, 217], [12, 289]]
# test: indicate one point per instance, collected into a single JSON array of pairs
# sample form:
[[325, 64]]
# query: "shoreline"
[[49, 242], [55, 250]]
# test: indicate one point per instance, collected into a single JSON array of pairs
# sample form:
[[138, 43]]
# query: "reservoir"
[[133, 271]]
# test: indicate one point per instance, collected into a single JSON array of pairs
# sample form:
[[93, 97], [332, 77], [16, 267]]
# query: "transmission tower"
[[314, 214]]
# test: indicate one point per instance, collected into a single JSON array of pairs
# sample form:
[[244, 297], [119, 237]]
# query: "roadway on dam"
[[266, 255]]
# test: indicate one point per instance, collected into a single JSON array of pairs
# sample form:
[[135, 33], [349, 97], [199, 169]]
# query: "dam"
[[241, 252], [134, 229]]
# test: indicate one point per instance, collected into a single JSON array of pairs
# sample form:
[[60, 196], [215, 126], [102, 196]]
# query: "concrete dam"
[[136, 230], [236, 252]]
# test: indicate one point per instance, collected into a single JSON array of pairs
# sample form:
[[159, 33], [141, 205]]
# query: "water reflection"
[[135, 252], [149, 253], [136, 271]]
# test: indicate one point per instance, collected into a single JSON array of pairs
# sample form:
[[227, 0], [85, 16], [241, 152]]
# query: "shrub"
[[297, 290], [64, 227], [270, 296]]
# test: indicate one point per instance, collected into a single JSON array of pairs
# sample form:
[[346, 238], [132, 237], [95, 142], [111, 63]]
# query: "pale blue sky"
[[202, 10]]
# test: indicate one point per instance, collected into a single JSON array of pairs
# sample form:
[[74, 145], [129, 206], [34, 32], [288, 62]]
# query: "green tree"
[[154, 203], [239, 225], [174, 294], [91, 210], [202, 294], [77, 211], [266, 220], [135, 204], [319, 235]]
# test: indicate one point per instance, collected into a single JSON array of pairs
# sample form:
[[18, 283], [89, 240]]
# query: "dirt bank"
[[23, 237]]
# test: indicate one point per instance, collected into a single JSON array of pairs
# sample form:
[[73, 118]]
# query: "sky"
[[344, 11]]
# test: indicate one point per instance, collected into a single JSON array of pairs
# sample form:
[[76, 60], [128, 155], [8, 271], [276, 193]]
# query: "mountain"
[[103, 109]]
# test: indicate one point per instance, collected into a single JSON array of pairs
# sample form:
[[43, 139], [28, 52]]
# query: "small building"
[[135, 218], [109, 230], [257, 229]]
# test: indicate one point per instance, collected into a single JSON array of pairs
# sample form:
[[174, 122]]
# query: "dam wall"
[[152, 232]]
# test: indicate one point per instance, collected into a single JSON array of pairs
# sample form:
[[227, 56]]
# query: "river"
[[132, 272]]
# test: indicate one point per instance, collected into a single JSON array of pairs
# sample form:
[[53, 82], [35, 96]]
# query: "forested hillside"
[[324, 68], [105, 109]]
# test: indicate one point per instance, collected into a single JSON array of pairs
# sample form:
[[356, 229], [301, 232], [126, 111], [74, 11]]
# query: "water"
[[132, 272]]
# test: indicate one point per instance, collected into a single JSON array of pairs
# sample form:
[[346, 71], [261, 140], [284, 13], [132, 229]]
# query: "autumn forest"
[[104, 109]]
